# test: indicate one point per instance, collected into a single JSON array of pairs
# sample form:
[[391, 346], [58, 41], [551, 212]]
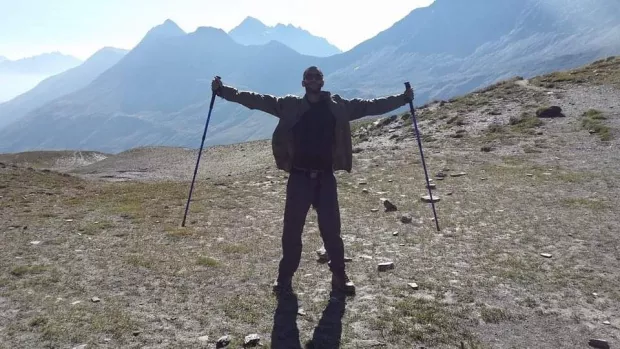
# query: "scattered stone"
[[440, 175], [550, 112], [95, 300], [348, 259], [357, 150], [322, 255], [427, 199], [251, 340], [203, 338], [406, 218], [413, 285], [76, 302], [546, 255], [68, 220], [389, 181], [301, 312], [606, 323], [460, 174], [386, 266], [529, 175], [362, 182], [598, 343], [365, 191], [547, 174], [449, 193], [374, 210], [35, 242], [136, 332], [431, 186], [368, 343], [395, 233], [389, 207], [223, 342], [486, 149]]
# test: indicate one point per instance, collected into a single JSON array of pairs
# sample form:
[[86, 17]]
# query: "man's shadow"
[[327, 334]]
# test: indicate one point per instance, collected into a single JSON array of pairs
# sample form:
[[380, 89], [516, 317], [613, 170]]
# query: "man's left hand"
[[409, 94]]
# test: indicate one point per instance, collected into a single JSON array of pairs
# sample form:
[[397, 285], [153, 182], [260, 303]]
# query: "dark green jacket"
[[290, 108]]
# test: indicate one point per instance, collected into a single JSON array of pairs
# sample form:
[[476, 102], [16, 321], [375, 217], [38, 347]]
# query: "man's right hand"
[[216, 84]]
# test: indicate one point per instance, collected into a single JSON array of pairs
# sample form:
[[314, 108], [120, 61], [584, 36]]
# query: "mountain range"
[[19, 76], [158, 93], [254, 32]]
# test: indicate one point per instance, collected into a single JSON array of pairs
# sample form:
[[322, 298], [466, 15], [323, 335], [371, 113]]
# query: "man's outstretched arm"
[[252, 100], [359, 108]]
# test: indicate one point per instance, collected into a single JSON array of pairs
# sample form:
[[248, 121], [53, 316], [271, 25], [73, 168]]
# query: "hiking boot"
[[283, 287], [343, 284]]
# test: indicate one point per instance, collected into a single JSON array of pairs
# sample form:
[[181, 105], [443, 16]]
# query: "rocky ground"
[[527, 256]]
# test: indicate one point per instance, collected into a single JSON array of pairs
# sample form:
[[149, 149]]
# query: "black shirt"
[[313, 138]]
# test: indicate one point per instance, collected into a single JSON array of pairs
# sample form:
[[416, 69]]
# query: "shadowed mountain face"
[[253, 32], [158, 93]]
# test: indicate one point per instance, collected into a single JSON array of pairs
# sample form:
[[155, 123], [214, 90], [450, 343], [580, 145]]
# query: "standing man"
[[310, 142]]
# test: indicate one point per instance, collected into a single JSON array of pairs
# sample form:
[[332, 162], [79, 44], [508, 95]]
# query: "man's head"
[[312, 80]]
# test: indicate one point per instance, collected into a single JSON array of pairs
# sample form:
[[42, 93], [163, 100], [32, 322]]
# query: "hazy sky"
[[80, 27]]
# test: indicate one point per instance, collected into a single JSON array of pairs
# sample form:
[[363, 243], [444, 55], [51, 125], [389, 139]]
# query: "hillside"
[[158, 94], [252, 31], [527, 251]]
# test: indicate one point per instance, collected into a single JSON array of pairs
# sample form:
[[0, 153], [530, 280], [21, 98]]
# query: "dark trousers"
[[320, 191]]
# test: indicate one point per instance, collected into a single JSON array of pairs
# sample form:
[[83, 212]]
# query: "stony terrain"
[[93, 255]]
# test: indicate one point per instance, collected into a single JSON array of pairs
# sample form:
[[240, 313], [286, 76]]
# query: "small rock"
[[440, 175], [406, 218], [449, 193], [365, 191], [95, 300], [251, 340], [395, 233], [427, 199], [374, 210], [606, 323], [385, 266], [362, 183], [223, 342], [529, 175], [322, 255], [35, 242], [203, 338], [76, 302], [598, 343], [460, 174], [547, 174], [301, 312], [431, 186], [136, 332], [551, 112], [546, 255], [413, 285], [68, 220], [348, 259], [389, 207]]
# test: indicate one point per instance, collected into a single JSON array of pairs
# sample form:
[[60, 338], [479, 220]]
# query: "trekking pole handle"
[[407, 85]]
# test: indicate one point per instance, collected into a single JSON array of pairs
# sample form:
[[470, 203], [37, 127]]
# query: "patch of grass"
[[425, 321], [139, 261], [235, 248], [496, 128], [92, 228], [494, 315], [28, 270], [207, 261], [592, 204], [179, 232], [245, 309], [592, 121], [525, 123]]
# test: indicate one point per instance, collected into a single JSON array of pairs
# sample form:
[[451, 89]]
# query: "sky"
[[81, 27]]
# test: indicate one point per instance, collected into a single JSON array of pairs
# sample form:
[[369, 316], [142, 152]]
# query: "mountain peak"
[[165, 30]]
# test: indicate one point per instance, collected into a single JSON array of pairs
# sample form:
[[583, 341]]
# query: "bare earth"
[[78, 225]]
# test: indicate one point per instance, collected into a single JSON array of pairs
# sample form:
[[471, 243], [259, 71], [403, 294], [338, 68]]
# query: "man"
[[310, 142]]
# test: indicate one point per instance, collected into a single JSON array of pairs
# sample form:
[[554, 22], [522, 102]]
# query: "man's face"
[[313, 81]]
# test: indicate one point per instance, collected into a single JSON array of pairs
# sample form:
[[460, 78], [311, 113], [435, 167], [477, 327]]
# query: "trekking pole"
[[199, 154], [428, 185]]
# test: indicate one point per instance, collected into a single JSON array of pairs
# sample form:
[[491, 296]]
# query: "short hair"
[[313, 68]]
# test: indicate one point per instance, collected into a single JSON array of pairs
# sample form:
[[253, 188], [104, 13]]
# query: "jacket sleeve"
[[252, 100], [358, 108]]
